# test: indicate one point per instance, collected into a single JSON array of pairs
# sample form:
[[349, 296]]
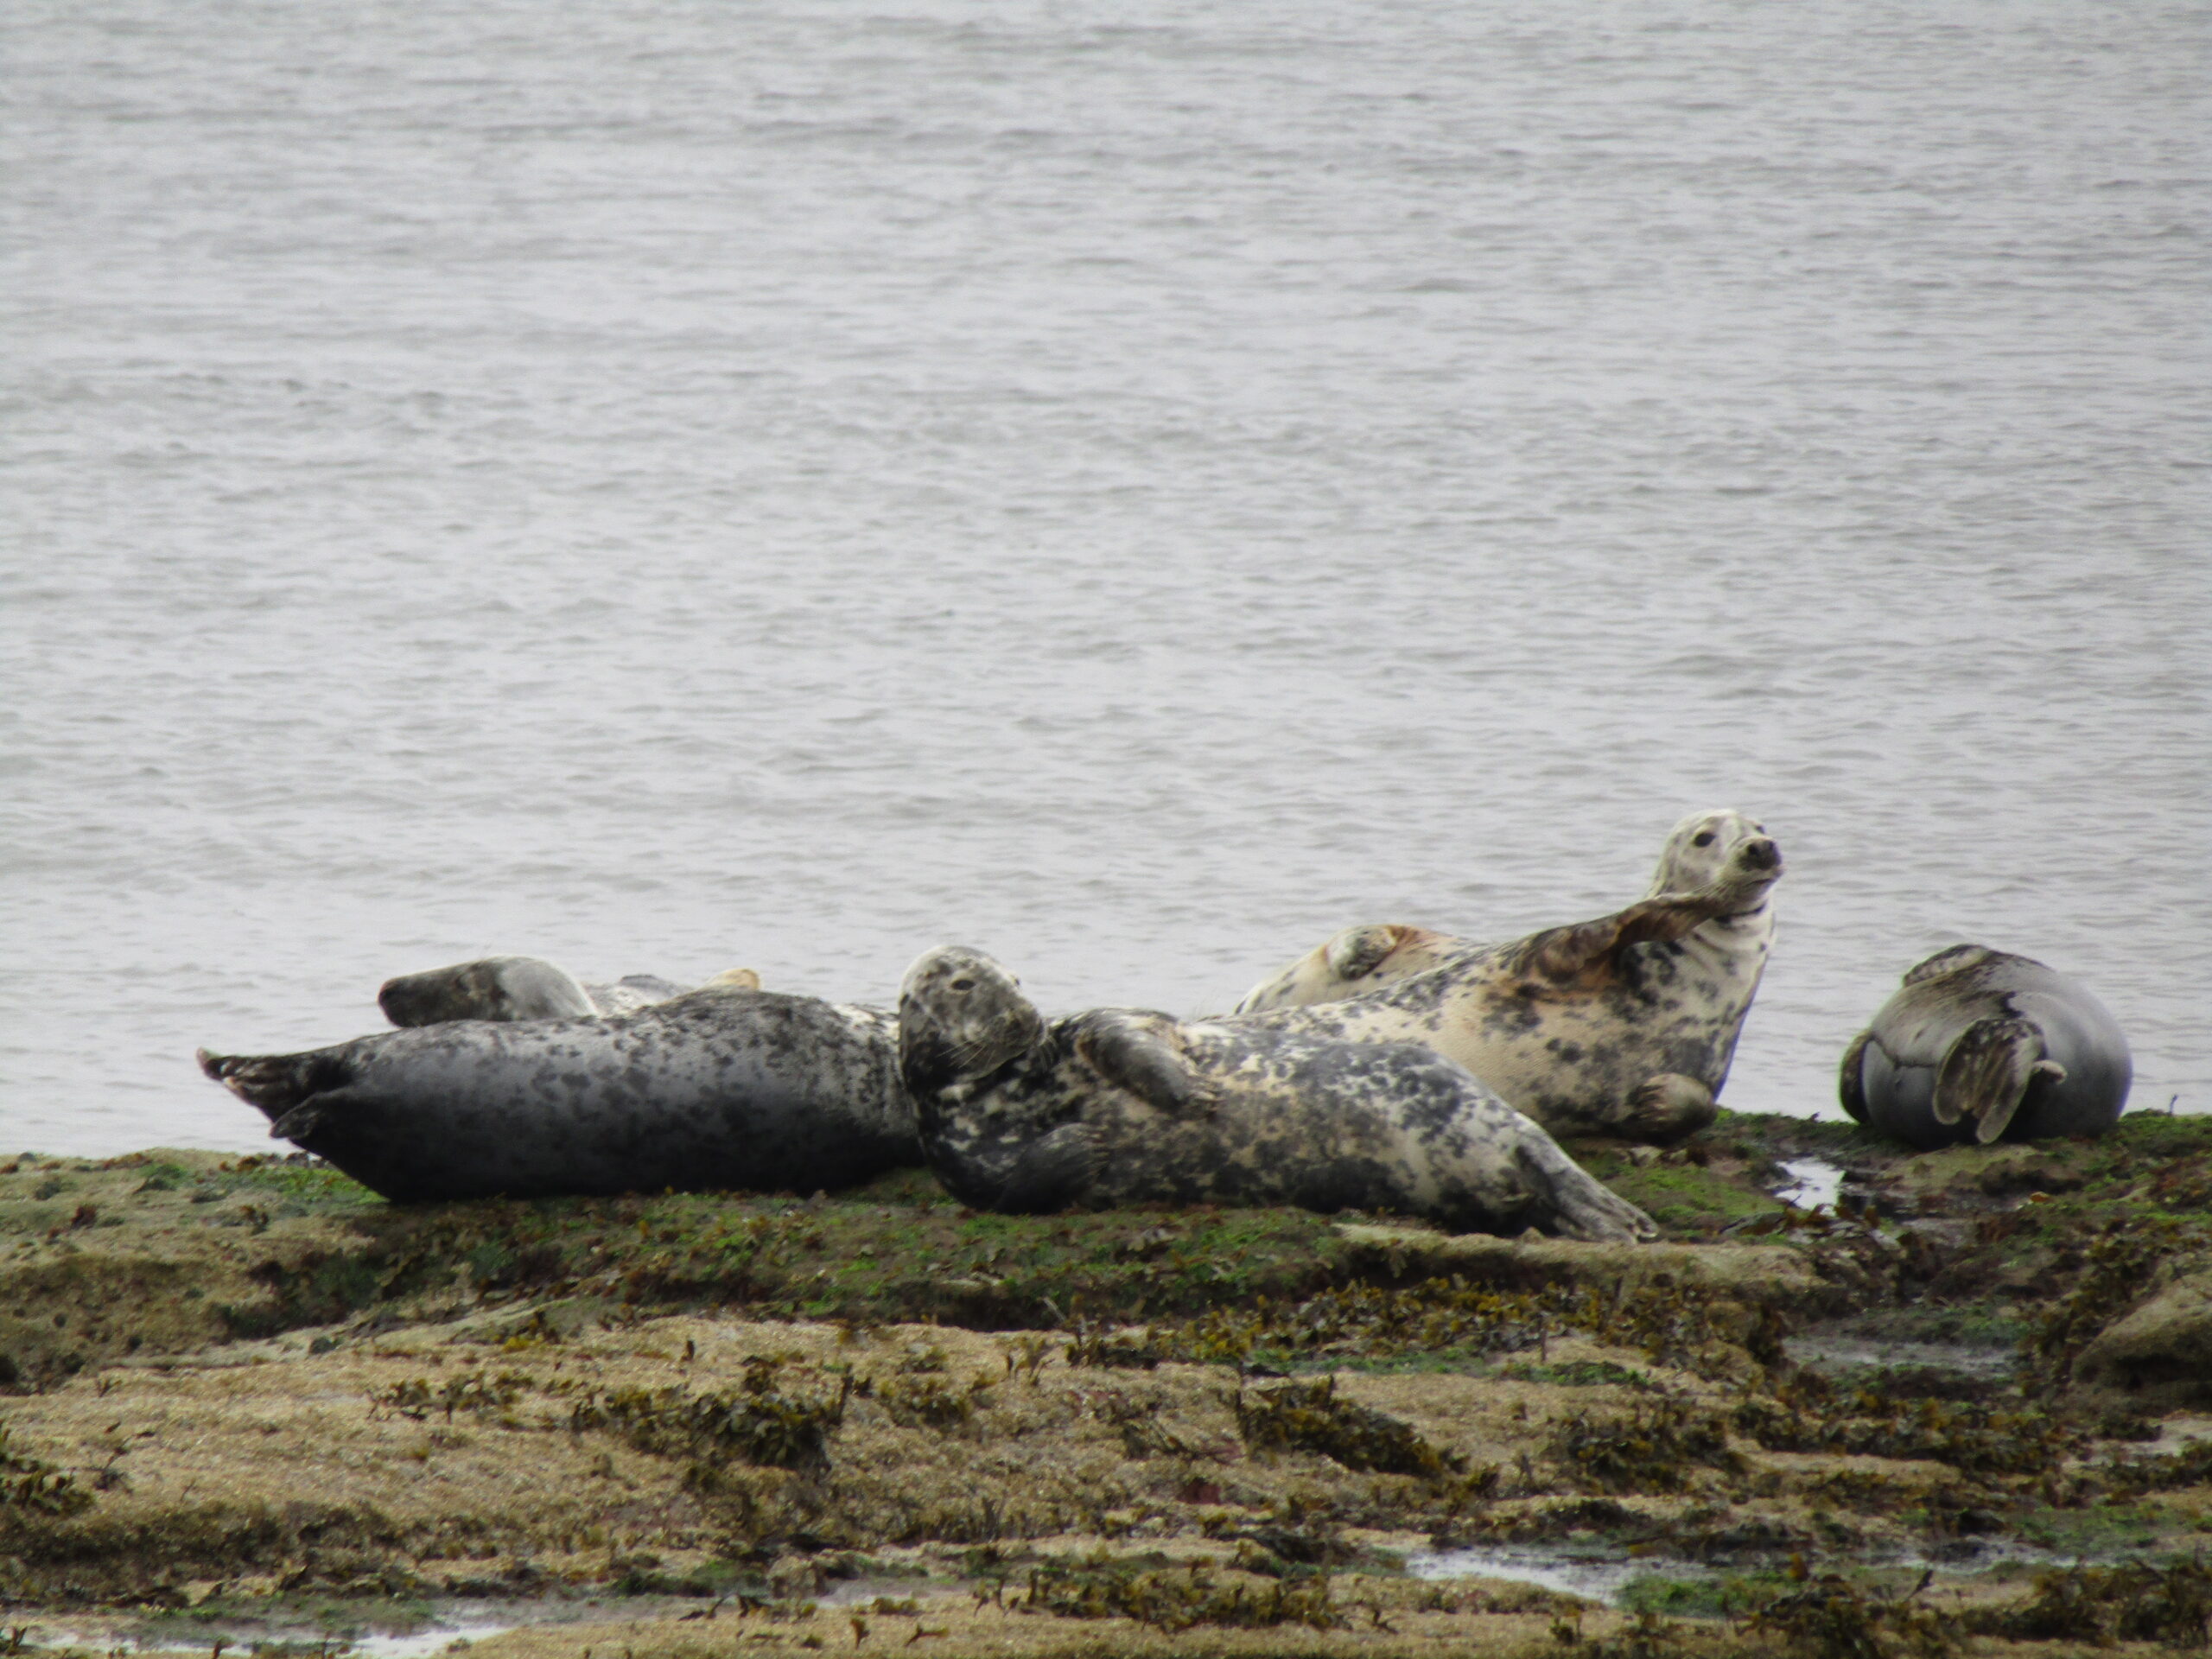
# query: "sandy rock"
[[1769, 1276], [2159, 1356], [1959, 1176]]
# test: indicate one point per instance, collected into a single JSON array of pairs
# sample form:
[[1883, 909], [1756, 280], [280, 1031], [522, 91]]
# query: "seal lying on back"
[[717, 1089], [1624, 1025], [1122, 1106], [525, 988], [1978, 1046]]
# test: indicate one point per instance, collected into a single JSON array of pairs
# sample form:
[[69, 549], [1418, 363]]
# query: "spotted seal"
[[526, 987], [718, 1089], [1979, 1045], [1624, 1026], [1120, 1106]]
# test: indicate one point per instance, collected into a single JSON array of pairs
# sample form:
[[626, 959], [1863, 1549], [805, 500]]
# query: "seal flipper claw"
[[1051, 1171], [1986, 1073], [1130, 1056]]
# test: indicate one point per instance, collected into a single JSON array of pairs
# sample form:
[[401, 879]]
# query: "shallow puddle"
[[437, 1638], [1575, 1572], [1832, 1355], [1815, 1182]]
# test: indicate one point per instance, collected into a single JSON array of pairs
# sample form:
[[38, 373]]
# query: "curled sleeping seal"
[[1978, 1046], [525, 988], [1624, 1026], [1122, 1106], [718, 1089]]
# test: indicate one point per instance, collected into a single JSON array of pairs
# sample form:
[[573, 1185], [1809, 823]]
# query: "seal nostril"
[[963, 984]]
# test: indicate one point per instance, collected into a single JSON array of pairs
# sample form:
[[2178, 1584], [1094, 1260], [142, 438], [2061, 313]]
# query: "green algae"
[[1142, 1590], [1313, 1417], [1654, 1448], [1685, 1199], [32, 1485]]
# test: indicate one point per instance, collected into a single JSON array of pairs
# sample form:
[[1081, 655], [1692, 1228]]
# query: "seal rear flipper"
[[273, 1083], [1986, 1073], [1850, 1086], [1051, 1171], [1358, 952], [1130, 1056], [496, 988], [1583, 1206]]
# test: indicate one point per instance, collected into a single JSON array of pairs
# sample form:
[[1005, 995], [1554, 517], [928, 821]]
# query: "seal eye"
[[963, 984], [1703, 838]]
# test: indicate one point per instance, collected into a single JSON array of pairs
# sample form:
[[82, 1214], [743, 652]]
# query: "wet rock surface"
[[243, 1401]]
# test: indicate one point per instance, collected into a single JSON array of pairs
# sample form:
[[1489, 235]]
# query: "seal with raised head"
[[1979, 1045], [1122, 1106], [1624, 1025], [717, 1089], [526, 987]]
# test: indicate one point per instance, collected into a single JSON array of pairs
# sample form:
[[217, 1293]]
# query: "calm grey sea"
[[1136, 488]]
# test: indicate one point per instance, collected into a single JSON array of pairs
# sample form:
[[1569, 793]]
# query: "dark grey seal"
[[526, 987], [1122, 1106], [1978, 1046], [717, 1089]]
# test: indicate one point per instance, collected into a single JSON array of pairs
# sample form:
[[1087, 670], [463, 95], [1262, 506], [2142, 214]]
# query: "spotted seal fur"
[[1979, 1045], [1624, 1026], [1120, 1106], [718, 1089], [526, 987]]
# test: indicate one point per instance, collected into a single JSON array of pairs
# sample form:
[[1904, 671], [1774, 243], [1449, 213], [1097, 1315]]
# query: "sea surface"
[[1133, 489]]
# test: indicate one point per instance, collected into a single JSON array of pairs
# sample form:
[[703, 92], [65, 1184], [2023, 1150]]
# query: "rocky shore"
[[245, 1404]]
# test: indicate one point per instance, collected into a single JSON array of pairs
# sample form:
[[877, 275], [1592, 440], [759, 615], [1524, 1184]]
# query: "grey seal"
[[1624, 1025], [718, 1089], [525, 988], [1979, 1045], [1120, 1106]]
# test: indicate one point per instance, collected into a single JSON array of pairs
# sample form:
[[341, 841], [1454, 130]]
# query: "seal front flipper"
[[1584, 953], [1131, 1056], [1051, 1171], [1665, 1108], [1850, 1087], [1987, 1072]]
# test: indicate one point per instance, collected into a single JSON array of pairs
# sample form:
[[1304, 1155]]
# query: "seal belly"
[[1979, 1045]]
